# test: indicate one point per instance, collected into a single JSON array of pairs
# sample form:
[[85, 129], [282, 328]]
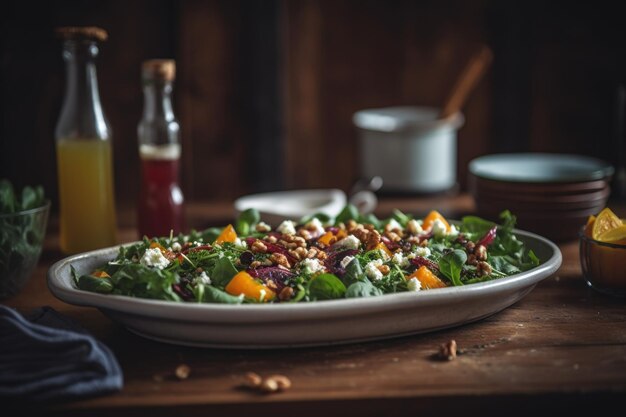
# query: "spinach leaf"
[[209, 235], [349, 212], [371, 219], [7, 197], [324, 218], [475, 226], [354, 272], [223, 272], [246, 221], [451, 265], [32, 198], [210, 294], [362, 289], [20, 236], [326, 287]]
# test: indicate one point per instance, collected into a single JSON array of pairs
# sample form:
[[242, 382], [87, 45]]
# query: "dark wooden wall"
[[266, 89]]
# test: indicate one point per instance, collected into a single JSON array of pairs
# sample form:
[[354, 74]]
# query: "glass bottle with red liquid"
[[160, 207]]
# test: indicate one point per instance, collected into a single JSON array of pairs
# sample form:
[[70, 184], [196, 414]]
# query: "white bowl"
[[275, 207]]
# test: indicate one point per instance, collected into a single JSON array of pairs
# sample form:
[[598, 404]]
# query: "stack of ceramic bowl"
[[551, 194]]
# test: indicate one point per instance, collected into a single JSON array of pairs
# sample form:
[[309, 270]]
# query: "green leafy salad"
[[21, 233], [317, 258]]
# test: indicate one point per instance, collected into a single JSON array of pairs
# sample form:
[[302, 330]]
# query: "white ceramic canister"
[[409, 147]]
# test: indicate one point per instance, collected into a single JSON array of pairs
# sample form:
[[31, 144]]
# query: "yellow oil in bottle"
[[87, 204]]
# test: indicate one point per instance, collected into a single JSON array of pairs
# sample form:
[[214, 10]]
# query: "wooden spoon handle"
[[470, 76]]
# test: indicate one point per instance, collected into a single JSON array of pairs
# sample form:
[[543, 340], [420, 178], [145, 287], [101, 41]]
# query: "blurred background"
[[266, 89]]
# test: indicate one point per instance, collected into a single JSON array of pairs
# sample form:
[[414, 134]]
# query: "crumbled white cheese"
[[262, 294], [414, 284], [371, 270], [349, 242], [383, 254], [316, 226], [176, 247], [346, 261], [400, 260], [439, 228], [454, 232], [241, 244], [154, 257], [311, 266], [414, 227], [203, 278], [287, 227], [419, 251]]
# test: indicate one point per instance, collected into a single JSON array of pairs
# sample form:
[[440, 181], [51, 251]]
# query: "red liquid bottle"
[[160, 209]]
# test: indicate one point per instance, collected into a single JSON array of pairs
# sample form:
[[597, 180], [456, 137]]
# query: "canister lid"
[[159, 69], [82, 33]]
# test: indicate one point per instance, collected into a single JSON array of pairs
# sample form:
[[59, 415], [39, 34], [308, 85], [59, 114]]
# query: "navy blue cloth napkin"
[[50, 358]]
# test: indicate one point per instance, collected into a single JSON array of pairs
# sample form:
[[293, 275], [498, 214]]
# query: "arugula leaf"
[[451, 265], [362, 289], [400, 217], [223, 272], [137, 280], [508, 220], [326, 287], [504, 264]]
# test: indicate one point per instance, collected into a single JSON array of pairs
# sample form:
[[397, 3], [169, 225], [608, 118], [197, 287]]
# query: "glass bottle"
[[83, 147], [160, 206]]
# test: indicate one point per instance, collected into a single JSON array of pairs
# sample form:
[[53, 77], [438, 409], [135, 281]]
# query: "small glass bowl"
[[21, 240], [603, 265]]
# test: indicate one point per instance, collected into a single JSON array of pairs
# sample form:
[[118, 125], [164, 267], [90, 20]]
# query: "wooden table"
[[561, 348]]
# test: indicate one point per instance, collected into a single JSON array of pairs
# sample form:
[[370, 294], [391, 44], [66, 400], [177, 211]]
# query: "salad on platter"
[[316, 258]]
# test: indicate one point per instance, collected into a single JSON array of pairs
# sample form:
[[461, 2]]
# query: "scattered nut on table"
[[447, 351], [253, 380], [182, 371], [270, 384]]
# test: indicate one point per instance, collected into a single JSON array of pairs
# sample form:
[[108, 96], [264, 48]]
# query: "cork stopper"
[[159, 69], [82, 33]]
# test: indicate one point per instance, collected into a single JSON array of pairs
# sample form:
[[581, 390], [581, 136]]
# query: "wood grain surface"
[[560, 349]]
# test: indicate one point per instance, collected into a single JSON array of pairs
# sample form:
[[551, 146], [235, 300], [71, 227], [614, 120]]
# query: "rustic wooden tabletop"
[[561, 348]]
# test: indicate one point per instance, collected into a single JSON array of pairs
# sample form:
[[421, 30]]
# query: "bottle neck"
[[158, 100], [82, 115]]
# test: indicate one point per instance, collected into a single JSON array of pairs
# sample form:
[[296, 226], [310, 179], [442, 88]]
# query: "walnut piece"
[[447, 350]]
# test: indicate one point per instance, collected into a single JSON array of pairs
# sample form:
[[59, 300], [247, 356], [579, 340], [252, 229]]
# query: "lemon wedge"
[[605, 222], [617, 235]]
